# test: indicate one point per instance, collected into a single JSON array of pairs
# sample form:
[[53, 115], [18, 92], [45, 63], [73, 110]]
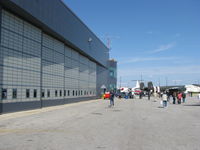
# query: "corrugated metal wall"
[[34, 62], [61, 20]]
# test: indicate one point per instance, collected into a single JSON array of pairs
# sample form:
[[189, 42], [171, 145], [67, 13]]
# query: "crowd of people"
[[165, 97], [178, 97]]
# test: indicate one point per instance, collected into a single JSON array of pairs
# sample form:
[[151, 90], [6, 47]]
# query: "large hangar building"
[[48, 56]]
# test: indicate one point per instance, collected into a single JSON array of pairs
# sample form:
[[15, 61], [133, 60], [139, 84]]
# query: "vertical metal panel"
[[102, 78], [11, 22], [20, 52], [60, 19], [1, 62], [41, 70], [30, 51]]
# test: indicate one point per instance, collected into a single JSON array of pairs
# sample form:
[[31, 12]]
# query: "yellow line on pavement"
[[44, 109]]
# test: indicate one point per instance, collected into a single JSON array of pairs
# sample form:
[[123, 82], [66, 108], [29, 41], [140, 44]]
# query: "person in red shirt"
[[179, 97]]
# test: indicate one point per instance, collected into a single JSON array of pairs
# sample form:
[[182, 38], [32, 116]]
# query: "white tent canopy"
[[192, 88]]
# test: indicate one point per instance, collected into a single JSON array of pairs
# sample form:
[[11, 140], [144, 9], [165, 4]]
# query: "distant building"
[[48, 56], [193, 88]]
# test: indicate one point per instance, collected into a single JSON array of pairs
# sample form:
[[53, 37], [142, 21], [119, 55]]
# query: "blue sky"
[[159, 39]]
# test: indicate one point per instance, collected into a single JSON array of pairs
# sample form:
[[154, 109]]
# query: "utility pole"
[[109, 39], [166, 80]]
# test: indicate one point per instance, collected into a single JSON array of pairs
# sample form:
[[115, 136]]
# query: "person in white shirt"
[[164, 99]]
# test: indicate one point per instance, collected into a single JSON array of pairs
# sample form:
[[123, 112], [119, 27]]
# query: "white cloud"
[[173, 70], [162, 48], [143, 59]]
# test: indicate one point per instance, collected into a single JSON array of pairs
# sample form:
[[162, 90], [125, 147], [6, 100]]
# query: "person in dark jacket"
[[111, 99], [183, 97], [149, 95], [140, 95], [174, 95]]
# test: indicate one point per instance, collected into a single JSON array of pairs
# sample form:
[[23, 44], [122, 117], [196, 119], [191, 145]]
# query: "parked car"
[[106, 95]]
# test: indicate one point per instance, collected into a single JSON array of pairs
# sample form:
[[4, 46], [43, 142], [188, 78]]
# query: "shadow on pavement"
[[160, 106], [192, 105], [116, 110]]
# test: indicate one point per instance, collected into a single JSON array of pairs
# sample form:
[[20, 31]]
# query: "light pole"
[[120, 80], [166, 80]]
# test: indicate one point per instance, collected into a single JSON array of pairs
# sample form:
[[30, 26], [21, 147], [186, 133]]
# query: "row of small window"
[[66, 93]]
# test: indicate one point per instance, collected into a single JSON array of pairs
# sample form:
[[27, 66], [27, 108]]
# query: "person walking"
[[174, 97], [149, 95], [111, 99], [164, 99], [126, 95], [140, 95], [179, 97], [168, 96], [199, 96], [184, 97], [156, 95], [130, 95]]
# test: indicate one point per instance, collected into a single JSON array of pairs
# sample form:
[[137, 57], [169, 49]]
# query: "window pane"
[[64, 92], [27, 93], [14, 93], [68, 93], [111, 73], [34, 93], [43, 92], [56, 93], [4, 93], [48, 93], [60, 92]]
